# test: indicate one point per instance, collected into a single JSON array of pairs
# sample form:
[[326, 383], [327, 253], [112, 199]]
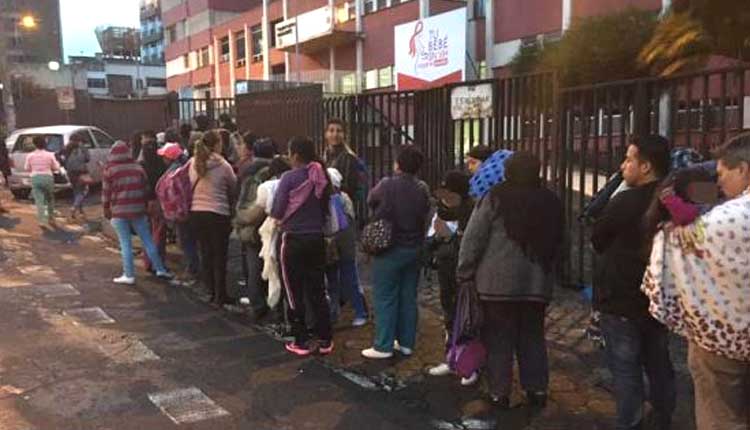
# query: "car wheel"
[[21, 194]]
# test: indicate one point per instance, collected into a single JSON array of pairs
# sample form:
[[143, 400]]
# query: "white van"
[[19, 144]]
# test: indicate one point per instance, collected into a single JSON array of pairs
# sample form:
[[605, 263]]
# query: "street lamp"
[[28, 22], [53, 65]]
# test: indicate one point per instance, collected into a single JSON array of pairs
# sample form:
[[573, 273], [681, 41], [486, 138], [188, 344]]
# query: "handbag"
[[466, 353], [377, 235]]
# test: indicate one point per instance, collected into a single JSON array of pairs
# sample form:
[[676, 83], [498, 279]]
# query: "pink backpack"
[[175, 193]]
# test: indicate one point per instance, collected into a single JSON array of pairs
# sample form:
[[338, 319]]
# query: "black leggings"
[[212, 231], [302, 260]]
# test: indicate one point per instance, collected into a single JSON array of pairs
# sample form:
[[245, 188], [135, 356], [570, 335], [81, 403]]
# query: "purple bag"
[[466, 354]]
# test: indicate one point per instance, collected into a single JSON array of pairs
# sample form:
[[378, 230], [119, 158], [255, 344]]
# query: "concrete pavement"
[[78, 352]]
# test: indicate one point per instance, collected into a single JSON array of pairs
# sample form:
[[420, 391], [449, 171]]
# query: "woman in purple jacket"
[[301, 207]]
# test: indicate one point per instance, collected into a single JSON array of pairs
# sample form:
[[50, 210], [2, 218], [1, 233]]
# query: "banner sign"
[[431, 52], [474, 101]]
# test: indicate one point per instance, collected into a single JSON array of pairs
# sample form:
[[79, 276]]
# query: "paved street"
[[78, 352]]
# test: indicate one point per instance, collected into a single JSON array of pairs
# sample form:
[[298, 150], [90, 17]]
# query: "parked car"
[[20, 144]]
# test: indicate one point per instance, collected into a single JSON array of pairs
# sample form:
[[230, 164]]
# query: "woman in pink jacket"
[[42, 164]]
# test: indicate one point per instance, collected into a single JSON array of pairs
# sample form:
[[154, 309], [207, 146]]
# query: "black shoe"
[[260, 314], [536, 399], [500, 402]]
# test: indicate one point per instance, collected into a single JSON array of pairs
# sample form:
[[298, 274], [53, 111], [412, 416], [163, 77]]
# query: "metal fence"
[[184, 111], [580, 134], [698, 110]]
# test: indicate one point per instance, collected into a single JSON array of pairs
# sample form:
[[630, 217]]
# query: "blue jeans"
[[122, 227], [189, 246], [343, 279], [632, 348], [395, 278]]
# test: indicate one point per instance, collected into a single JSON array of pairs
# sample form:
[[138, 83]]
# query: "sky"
[[81, 17]]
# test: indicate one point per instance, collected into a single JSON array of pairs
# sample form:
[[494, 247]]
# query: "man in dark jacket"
[[635, 342]]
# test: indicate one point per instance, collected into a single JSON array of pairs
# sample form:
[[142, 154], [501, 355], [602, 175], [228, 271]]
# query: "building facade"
[[40, 44], [118, 77], [152, 32], [215, 46]]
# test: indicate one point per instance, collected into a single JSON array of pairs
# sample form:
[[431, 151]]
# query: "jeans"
[[632, 348], [212, 231], [80, 191], [302, 260], [123, 227], [722, 390], [189, 247], [395, 279], [343, 279], [43, 190], [515, 330]]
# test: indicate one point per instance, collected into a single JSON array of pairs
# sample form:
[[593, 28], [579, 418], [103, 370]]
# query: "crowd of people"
[[673, 237]]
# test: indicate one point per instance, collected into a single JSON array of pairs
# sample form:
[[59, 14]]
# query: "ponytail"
[[203, 149]]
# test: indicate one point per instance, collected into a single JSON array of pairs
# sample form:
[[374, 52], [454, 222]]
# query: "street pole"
[[296, 52], [9, 105]]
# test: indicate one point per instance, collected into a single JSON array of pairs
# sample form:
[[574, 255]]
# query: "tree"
[[594, 49], [695, 29]]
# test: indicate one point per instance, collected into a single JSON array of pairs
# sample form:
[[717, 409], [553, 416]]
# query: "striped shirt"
[[41, 162], [124, 190]]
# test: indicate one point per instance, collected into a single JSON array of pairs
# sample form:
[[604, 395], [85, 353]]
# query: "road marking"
[[187, 405], [93, 315], [137, 352], [49, 291], [36, 270]]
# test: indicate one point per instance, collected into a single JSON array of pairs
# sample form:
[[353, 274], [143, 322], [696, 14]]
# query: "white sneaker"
[[124, 280], [402, 349], [375, 354], [359, 322], [441, 369], [471, 380]]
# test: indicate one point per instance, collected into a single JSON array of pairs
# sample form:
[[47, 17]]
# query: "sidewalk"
[[580, 384]]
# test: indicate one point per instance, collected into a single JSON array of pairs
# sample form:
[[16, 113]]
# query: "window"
[[97, 83], [156, 82], [25, 143], [102, 139], [85, 138], [186, 61], [256, 33], [370, 6], [349, 83], [139, 84], [203, 59], [371, 79], [224, 49], [172, 33], [385, 78], [239, 40], [478, 9]]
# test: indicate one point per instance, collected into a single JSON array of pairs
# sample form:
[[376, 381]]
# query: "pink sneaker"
[[295, 349], [325, 348]]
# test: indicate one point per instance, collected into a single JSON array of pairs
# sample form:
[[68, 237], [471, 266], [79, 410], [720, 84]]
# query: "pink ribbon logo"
[[413, 41]]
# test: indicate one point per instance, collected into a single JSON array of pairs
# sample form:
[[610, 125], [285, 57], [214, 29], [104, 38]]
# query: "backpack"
[[175, 193]]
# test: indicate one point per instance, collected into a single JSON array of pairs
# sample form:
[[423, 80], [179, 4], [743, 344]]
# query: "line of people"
[[495, 235]]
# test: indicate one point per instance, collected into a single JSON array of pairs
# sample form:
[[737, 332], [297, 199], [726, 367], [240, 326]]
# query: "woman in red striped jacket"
[[124, 197]]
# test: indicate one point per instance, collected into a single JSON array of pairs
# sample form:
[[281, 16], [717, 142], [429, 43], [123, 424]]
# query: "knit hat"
[[171, 151], [120, 153], [491, 173], [480, 152]]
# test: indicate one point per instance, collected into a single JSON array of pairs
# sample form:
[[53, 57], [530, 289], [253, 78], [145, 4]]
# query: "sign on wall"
[[473, 101], [66, 98], [431, 52]]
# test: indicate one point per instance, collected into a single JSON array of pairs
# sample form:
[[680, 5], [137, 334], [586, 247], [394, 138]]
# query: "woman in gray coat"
[[508, 254]]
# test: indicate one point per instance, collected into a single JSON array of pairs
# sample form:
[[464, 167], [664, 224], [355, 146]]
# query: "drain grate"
[[187, 405]]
